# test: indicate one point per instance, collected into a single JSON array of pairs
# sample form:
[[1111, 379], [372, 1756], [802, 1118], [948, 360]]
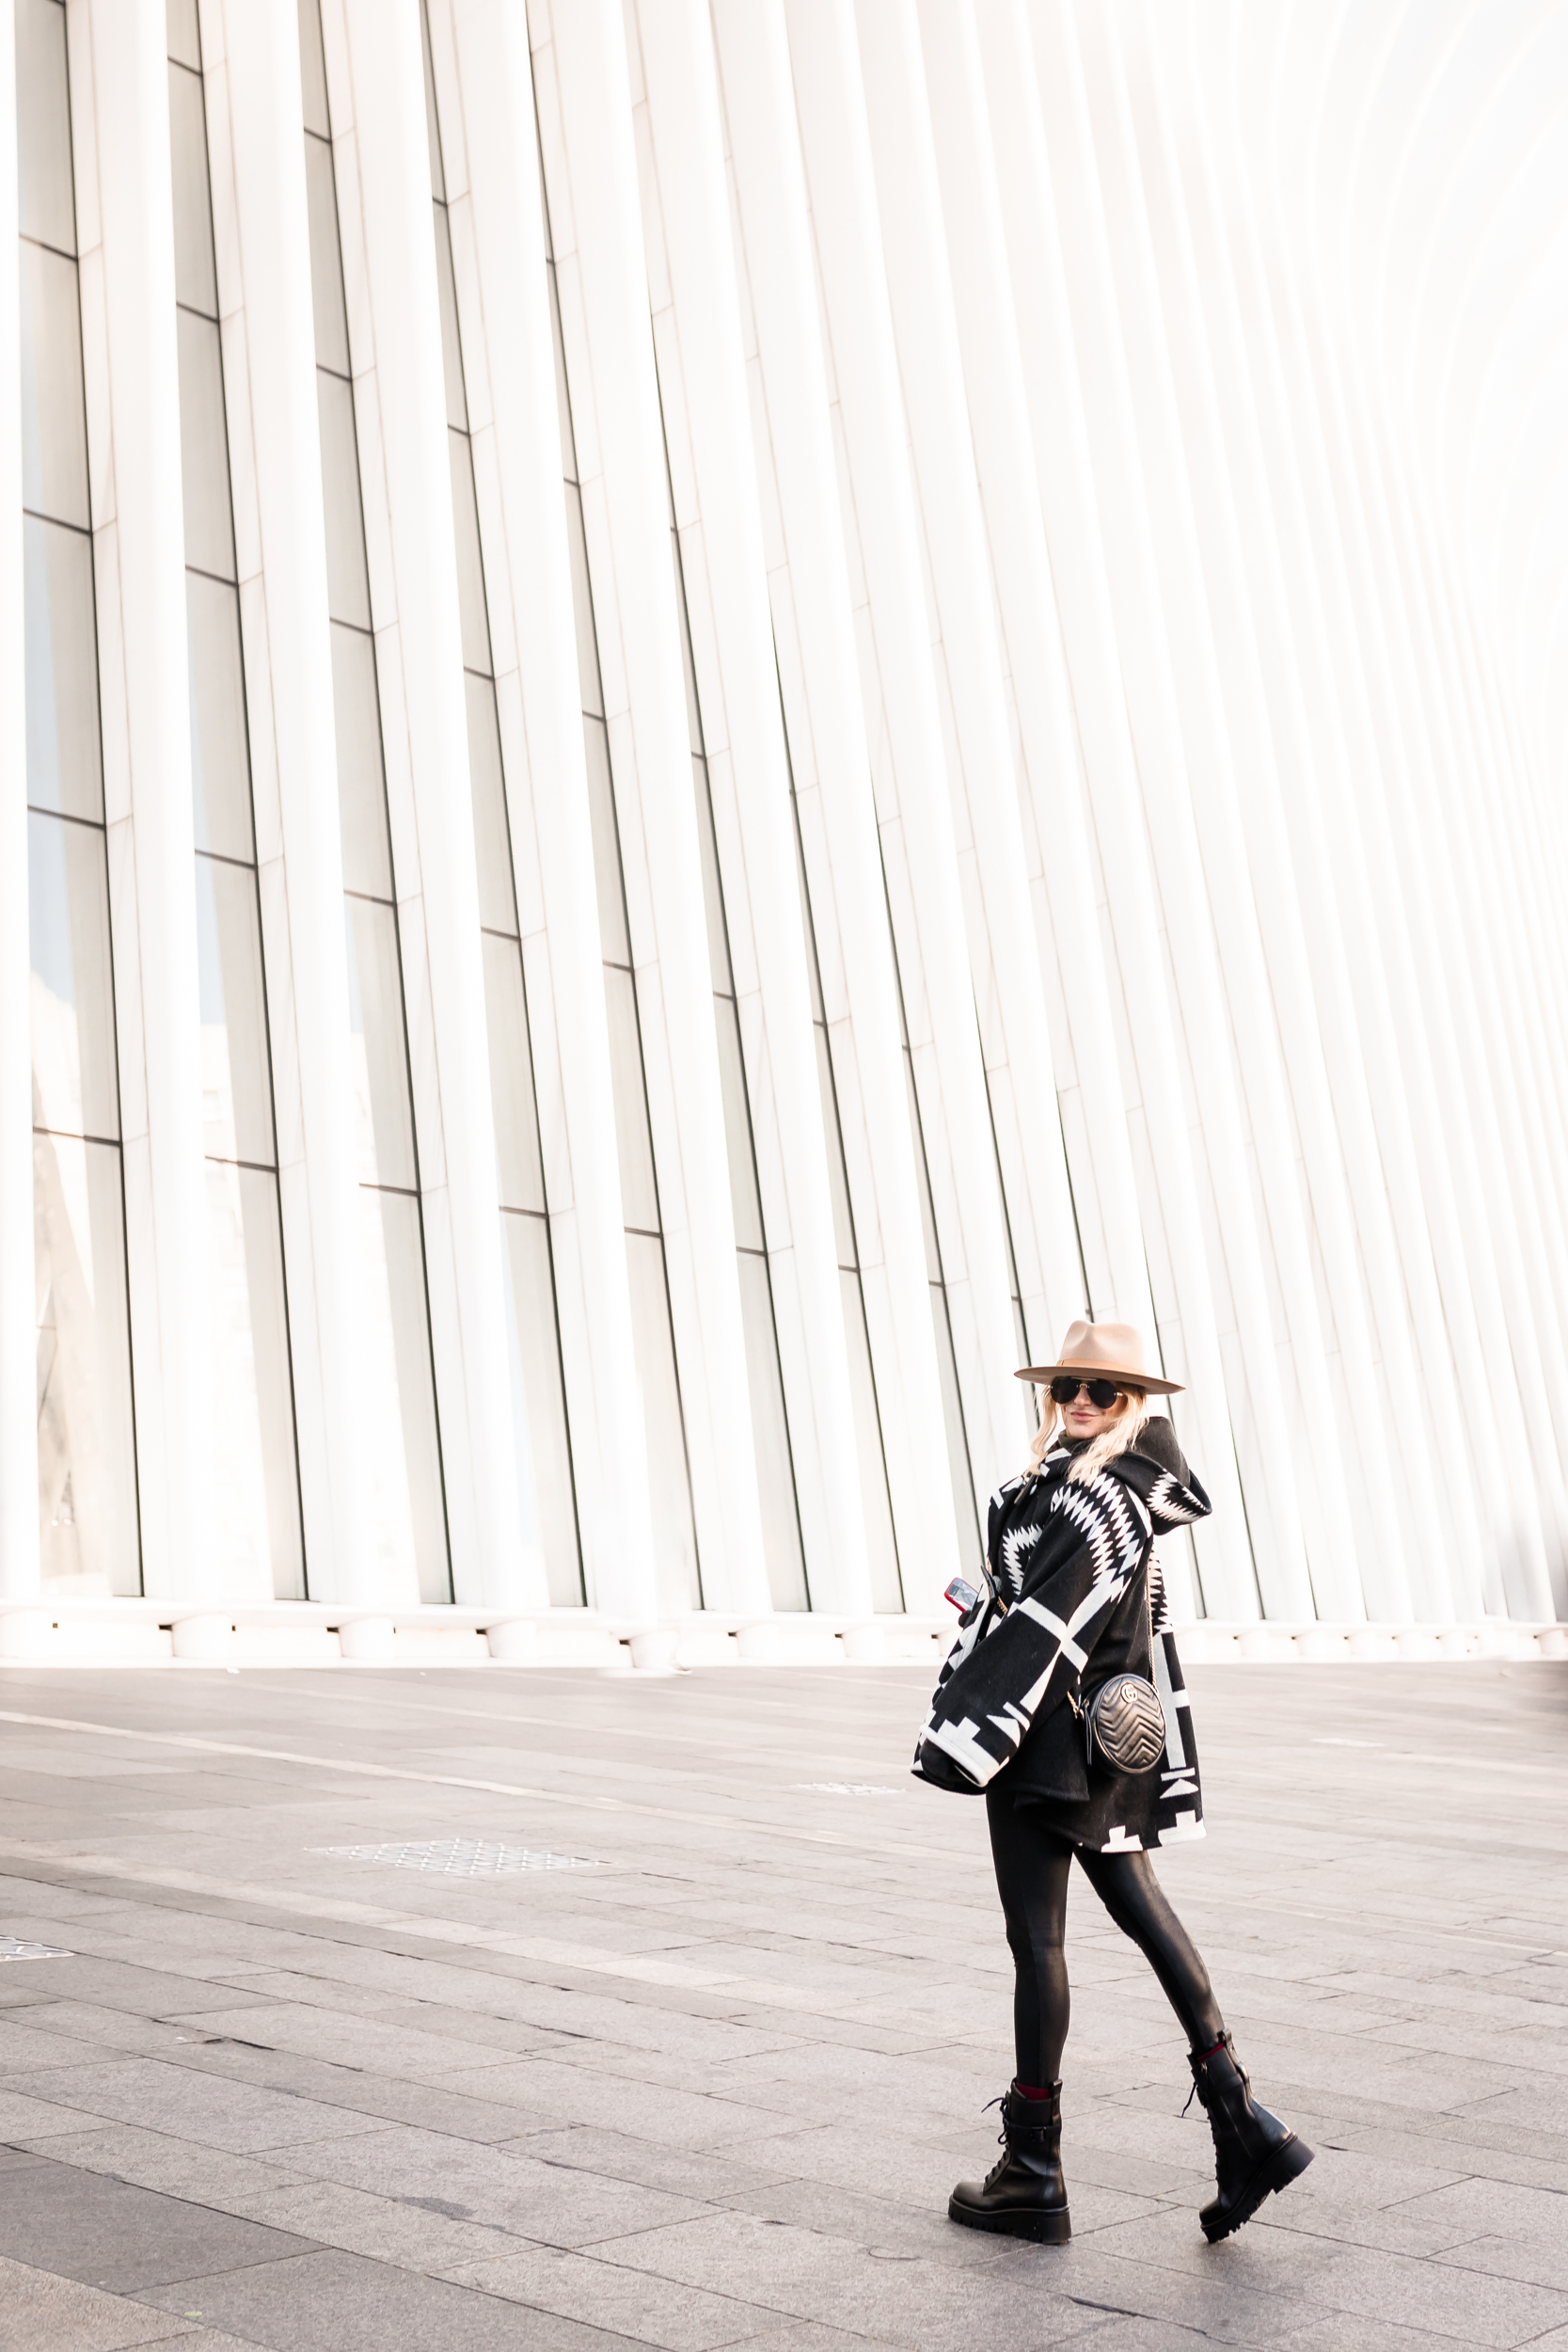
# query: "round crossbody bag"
[[1125, 1719]]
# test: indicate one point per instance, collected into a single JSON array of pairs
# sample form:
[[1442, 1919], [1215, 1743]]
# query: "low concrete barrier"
[[195, 1634]]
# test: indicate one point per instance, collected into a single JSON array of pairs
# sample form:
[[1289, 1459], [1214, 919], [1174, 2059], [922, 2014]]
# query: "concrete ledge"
[[105, 1633], [1211, 1642]]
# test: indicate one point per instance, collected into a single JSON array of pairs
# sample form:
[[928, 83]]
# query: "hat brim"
[[1042, 1374]]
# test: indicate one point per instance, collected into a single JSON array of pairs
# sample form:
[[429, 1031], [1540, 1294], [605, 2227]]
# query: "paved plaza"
[[569, 2011]]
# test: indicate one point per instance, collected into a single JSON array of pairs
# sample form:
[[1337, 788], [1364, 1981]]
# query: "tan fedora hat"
[[1103, 1351]]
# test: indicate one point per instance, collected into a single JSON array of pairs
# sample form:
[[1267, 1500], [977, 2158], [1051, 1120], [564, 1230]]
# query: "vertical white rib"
[[18, 1462], [1073, 973], [813, 617], [295, 787], [741, 714], [1003, 955], [511, 397], [420, 657], [1150, 1047], [140, 558], [616, 408], [906, 734]]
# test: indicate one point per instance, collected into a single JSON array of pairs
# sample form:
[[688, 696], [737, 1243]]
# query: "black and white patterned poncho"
[[1077, 1590]]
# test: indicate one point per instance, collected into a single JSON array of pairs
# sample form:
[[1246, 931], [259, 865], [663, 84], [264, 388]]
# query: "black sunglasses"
[[1101, 1394]]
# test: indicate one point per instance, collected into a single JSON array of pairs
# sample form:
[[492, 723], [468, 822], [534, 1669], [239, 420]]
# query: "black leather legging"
[[1033, 1866]]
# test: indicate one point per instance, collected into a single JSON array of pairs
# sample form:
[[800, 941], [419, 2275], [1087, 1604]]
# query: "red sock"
[[1028, 2090], [1201, 2055]]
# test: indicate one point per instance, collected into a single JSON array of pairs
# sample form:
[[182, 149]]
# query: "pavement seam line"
[[590, 1959], [192, 1744]]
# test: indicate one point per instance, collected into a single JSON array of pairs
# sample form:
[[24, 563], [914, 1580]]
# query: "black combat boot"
[[1255, 2153], [1024, 2196]]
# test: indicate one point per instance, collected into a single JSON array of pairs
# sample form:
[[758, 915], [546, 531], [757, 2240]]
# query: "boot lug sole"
[[1286, 2164], [1050, 2228]]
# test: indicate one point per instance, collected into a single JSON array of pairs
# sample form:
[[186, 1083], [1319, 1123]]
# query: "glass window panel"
[[633, 1143], [65, 764], [738, 1128], [582, 605], [195, 279], [669, 1486], [326, 260], [220, 760], [313, 68], [562, 398], [205, 449], [545, 204], [781, 1515], [86, 1431], [887, 1590], [814, 973], [348, 586], [614, 938], [236, 1077], [74, 1086], [407, 1514], [362, 780], [539, 1409], [184, 32], [927, 1214], [471, 568], [694, 710], [844, 1223], [952, 1409], [518, 1171], [254, 1535], [498, 902], [44, 125], [451, 349], [53, 416], [713, 895], [378, 1047], [433, 133]]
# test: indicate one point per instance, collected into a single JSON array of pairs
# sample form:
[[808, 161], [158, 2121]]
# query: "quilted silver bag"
[[1125, 1719], [1127, 1724]]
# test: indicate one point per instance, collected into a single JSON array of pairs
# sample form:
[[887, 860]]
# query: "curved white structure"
[[729, 703]]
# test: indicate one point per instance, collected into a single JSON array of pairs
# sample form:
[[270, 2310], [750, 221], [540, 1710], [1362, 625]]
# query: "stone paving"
[[712, 2085]]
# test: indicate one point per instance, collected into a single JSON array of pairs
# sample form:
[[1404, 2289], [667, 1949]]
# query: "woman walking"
[[1062, 1702]]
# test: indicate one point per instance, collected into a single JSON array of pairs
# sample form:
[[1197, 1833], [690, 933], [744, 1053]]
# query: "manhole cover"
[[462, 1857], [13, 1948]]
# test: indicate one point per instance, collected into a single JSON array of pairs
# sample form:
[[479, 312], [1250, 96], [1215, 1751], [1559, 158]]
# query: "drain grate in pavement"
[[13, 1948], [462, 1857], [843, 1788]]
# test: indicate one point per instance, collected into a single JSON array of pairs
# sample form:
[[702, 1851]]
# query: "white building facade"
[[713, 708]]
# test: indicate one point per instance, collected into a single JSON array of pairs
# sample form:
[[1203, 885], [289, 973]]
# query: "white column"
[[813, 615], [499, 249], [1074, 976], [420, 657], [19, 1471], [140, 562], [1310, 1012], [251, 59], [906, 733], [615, 406], [1003, 951], [1172, 1222], [1182, 754], [741, 716]]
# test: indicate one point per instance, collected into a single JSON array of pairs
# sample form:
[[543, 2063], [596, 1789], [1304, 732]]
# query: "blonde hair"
[[1122, 1435]]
